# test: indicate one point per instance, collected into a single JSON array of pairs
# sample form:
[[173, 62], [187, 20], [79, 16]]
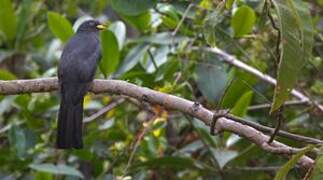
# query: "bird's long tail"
[[69, 133]]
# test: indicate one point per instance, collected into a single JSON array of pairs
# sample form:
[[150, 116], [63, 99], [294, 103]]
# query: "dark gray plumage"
[[75, 73]]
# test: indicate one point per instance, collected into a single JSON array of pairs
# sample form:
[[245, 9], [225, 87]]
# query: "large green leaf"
[[18, 140], [241, 83], [283, 171], [211, 79], [110, 52], [241, 107], [211, 21], [132, 58], [60, 26], [159, 57], [6, 75], [56, 169], [318, 169], [119, 30], [223, 156], [243, 21], [166, 71], [229, 3], [164, 38], [43, 176], [297, 41], [132, 7], [166, 162], [24, 14], [140, 21], [204, 132], [8, 24]]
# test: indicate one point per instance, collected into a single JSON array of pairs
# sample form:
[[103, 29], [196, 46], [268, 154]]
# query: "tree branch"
[[267, 105], [104, 110], [166, 100], [269, 130], [228, 58]]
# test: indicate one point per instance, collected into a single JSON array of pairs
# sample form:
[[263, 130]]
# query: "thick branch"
[[166, 100]]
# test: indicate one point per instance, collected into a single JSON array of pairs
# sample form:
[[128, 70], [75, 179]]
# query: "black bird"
[[75, 73]]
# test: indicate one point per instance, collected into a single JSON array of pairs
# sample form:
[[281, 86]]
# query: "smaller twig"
[[136, 145], [230, 59], [279, 123], [177, 77], [152, 58], [258, 168], [273, 24], [190, 120], [268, 105], [279, 150], [146, 105], [182, 20], [226, 90], [161, 13], [269, 130], [104, 110], [308, 174]]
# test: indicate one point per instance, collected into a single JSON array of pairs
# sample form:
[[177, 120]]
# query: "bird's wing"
[[79, 59]]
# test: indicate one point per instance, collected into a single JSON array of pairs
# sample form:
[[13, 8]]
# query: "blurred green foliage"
[[157, 44]]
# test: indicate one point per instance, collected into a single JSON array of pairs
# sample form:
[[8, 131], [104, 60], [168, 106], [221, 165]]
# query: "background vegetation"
[[161, 45]]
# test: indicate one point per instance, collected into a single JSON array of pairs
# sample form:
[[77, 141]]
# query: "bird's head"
[[91, 26]]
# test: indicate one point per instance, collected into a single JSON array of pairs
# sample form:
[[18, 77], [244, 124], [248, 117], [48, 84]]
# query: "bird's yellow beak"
[[101, 27]]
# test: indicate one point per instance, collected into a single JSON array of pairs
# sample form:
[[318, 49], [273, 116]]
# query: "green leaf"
[[8, 24], [171, 17], [166, 162], [211, 21], [25, 13], [60, 26], [132, 7], [229, 4], [318, 87], [211, 79], [223, 156], [159, 57], [141, 21], [243, 21], [18, 141], [6, 75], [166, 71], [164, 38], [297, 41], [110, 52], [43, 176], [204, 132], [132, 58], [318, 169], [241, 84], [241, 107], [56, 169], [119, 30], [283, 171]]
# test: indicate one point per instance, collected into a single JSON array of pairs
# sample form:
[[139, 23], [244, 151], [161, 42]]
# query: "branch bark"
[[166, 100]]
